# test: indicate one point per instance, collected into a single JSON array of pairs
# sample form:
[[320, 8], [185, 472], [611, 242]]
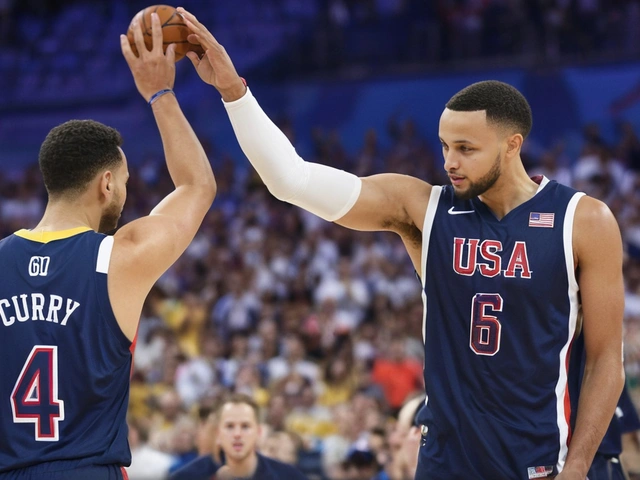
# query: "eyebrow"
[[456, 141]]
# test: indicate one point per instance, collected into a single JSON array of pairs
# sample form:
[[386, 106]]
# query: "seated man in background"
[[610, 463], [236, 430]]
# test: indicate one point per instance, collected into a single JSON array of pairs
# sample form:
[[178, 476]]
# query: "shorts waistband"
[[55, 466]]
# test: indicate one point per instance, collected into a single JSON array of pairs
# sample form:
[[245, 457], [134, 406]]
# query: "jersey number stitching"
[[486, 330], [34, 398]]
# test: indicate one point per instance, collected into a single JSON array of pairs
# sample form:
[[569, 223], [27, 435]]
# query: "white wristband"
[[325, 191]]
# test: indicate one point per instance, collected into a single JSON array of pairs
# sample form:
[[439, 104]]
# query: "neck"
[[245, 468], [513, 188], [63, 214]]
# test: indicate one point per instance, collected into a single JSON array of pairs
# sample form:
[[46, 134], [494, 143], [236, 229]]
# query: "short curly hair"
[[504, 104], [74, 152]]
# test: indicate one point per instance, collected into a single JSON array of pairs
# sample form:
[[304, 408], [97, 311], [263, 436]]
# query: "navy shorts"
[[66, 471], [605, 468]]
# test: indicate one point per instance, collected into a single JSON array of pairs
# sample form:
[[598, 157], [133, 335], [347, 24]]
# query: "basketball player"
[[506, 264], [237, 432], [70, 296]]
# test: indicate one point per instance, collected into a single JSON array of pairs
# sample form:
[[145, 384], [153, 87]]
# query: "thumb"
[[171, 53], [193, 56]]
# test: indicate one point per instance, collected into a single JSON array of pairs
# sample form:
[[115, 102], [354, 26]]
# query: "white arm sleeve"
[[325, 191]]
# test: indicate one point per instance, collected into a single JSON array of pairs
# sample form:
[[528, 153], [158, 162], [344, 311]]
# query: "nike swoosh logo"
[[451, 211]]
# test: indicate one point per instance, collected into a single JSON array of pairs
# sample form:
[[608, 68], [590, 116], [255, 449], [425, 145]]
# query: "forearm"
[[601, 388], [325, 191], [186, 160]]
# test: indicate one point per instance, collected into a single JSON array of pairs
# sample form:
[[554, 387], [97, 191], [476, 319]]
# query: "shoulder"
[[201, 467], [280, 468], [590, 209], [594, 226], [595, 232]]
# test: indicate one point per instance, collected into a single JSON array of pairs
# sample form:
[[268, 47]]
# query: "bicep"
[[388, 202], [150, 245], [599, 252]]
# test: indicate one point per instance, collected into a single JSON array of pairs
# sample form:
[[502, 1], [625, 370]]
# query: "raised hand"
[[215, 67], [152, 70]]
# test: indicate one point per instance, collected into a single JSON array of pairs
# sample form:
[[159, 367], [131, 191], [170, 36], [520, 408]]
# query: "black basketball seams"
[[169, 19], [147, 30]]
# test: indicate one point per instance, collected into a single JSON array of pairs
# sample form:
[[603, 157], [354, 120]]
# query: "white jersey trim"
[[543, 183], [561, 386], [104, 255], [429, 217]]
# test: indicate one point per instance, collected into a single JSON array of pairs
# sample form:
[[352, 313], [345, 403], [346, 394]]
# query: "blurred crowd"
[[320, 325], [52, 44]]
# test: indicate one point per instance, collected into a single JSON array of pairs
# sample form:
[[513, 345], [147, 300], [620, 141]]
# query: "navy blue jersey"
[[501, 312], [64, 381]]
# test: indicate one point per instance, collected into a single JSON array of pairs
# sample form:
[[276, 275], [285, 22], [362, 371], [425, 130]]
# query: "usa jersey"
[[500, 314], [64, 381]]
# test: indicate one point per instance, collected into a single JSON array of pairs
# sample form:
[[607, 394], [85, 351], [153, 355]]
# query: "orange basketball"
[[174, 30]]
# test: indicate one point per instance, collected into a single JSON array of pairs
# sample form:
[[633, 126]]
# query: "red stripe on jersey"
[[567, 399], [124, 473], [132, 349]]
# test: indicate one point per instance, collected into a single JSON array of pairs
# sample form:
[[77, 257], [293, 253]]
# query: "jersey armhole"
[[103, 258], [429, 217], [104, 255]]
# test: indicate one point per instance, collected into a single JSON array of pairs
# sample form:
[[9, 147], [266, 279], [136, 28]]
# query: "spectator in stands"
[[236, 435], [397, 374], [292, 359], [237, 310], [404, 441], [339, 381], [283, 446], [147, 463]]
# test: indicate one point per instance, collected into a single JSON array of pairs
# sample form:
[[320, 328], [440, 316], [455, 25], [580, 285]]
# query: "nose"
[[450, 161]]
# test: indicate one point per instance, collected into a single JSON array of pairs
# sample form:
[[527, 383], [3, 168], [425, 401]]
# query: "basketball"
[[174, 30]]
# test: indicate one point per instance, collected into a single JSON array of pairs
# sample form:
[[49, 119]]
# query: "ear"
[[514, 144], [106, 183]]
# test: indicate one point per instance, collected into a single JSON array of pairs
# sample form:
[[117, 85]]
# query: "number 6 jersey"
[[64, 381], [501, 309]]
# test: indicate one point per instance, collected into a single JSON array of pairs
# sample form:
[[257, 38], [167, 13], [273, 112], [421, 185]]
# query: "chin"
[[461, 194]]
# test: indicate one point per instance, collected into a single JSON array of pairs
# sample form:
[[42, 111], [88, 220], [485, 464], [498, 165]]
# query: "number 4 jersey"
[[501, 310], [64, 380]]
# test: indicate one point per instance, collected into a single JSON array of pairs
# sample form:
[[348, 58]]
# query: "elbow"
[[209, 185], [212, 190], [205, 193], [623, 378], [286, 188]]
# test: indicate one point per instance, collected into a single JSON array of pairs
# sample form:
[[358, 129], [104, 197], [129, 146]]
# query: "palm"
[[216, 68], [205, 71]]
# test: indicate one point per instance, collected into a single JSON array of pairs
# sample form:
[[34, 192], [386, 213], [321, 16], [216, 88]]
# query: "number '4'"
[[35, 397]]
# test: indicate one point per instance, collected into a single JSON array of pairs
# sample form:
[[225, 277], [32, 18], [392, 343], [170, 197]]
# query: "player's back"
[[64, 383]]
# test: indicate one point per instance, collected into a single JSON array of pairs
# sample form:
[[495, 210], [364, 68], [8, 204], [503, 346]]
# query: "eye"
[[464, 148]]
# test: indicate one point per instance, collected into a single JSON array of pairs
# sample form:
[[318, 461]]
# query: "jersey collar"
[[46, 237]]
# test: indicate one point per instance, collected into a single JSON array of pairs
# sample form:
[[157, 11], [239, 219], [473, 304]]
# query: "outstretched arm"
[[598, 248], [382, 202], [145, 248]]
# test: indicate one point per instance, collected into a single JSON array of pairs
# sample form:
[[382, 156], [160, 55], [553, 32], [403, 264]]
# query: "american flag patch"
[[539, 472], [544, 220]]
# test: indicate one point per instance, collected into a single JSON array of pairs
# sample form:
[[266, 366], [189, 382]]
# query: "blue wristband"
[[157, 95]]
